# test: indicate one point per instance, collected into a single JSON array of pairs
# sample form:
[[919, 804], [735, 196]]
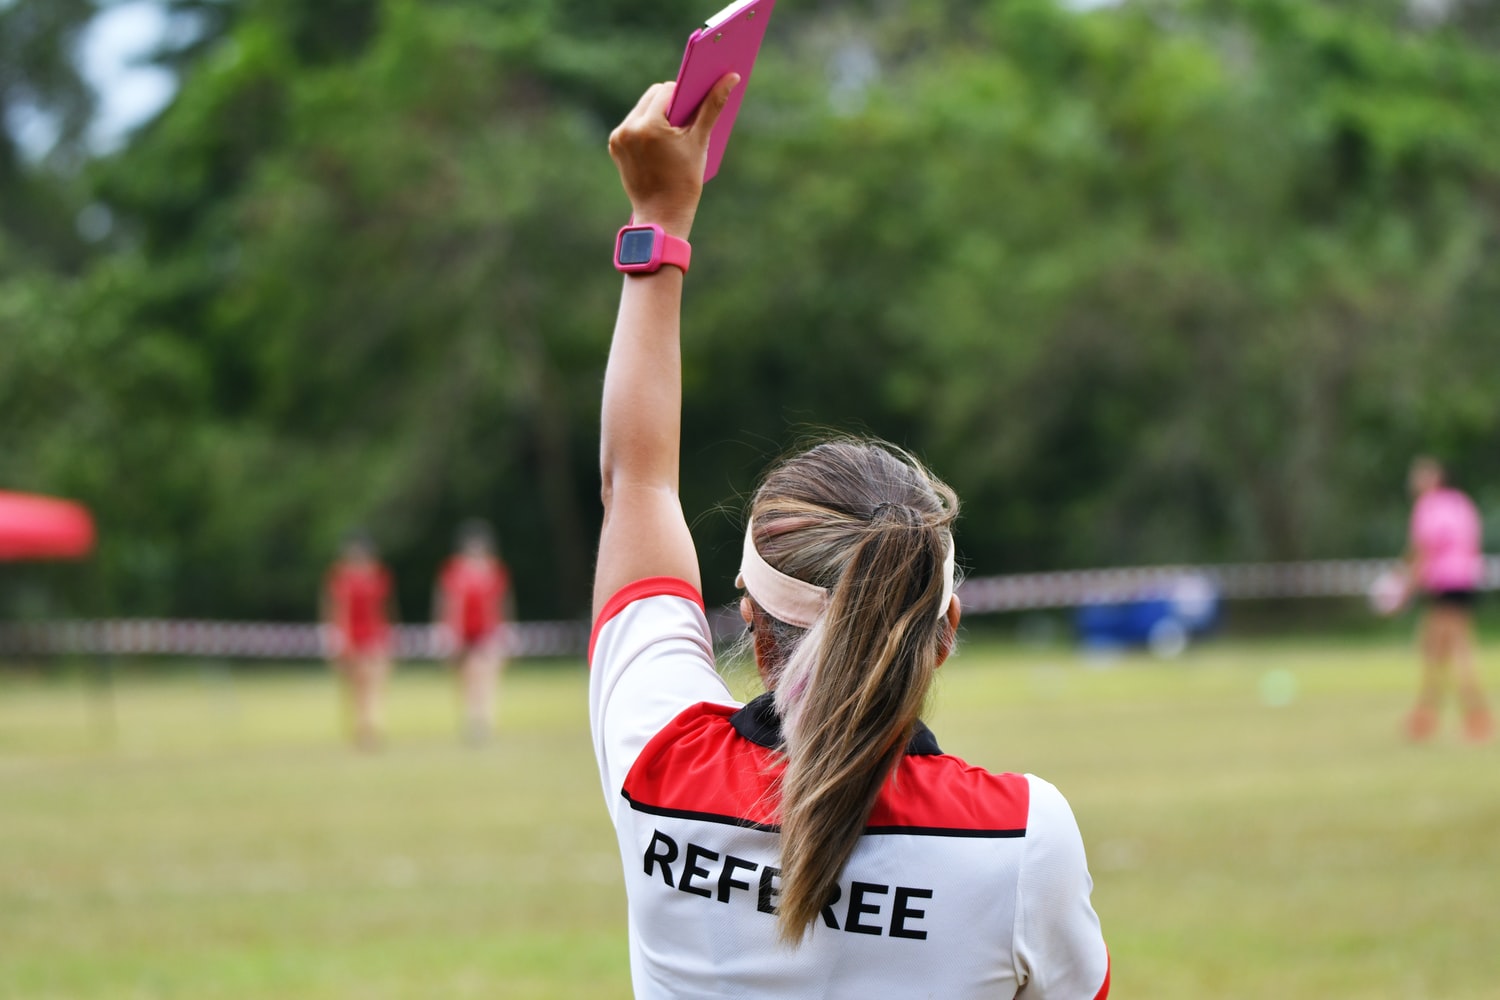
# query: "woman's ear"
[[949, 638], [762, 641]]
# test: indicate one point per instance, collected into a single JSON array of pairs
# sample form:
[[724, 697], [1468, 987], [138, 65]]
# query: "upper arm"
[[650, 657], [331, 598], [1058, 942], [645, 535]]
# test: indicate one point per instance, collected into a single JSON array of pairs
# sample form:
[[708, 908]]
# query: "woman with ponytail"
[[816, 842]]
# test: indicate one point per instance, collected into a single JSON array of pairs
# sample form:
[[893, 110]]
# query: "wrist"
[[676, 223], [647, 247]]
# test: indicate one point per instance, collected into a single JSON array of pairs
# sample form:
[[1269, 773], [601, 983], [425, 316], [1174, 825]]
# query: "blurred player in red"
[[357, 601], [473, 600]]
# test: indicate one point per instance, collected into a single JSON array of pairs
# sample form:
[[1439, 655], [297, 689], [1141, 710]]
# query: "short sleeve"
[[1060, 952], [336, 586], [1473, 525], [650, 657]]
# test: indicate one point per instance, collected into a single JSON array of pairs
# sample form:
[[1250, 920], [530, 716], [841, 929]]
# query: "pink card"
[[728, 42]]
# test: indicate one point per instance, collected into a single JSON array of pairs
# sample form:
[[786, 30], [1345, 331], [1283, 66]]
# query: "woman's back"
[[964, 884]]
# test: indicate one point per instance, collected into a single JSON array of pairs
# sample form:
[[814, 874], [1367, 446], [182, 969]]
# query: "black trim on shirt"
[[869, 831], [700, 817], [759, 723]]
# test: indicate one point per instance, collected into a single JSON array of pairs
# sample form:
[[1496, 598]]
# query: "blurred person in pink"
[[357, 601], [1446, 567], [473, 601]]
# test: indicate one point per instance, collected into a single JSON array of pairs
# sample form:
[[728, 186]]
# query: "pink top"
[[1445, 535]]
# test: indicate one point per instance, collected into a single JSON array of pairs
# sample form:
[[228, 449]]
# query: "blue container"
[[1164, 618]]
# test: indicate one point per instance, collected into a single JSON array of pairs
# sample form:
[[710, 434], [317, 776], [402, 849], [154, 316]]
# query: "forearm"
[[644, 533], [641, 412]]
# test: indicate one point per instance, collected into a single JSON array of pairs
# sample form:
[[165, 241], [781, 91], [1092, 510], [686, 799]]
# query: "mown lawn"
[[1255, 825]]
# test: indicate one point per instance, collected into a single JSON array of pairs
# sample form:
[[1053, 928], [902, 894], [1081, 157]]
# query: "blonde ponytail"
[[873, 527]]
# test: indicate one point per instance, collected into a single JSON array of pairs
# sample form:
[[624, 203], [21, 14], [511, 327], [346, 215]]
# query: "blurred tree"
[[1177, 279], [45, 107]]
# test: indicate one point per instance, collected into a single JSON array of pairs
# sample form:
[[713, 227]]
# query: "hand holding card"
[[661, 165]]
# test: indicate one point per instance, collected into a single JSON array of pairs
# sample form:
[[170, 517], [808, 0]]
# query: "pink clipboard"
[[728, 42]]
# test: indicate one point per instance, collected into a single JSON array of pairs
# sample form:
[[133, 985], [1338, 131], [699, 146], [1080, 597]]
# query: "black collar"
[[759, 723]]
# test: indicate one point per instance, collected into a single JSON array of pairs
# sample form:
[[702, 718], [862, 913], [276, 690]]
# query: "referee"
[[816, 842]]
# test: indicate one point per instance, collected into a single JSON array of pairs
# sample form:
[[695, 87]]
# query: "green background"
[[1154, 282]]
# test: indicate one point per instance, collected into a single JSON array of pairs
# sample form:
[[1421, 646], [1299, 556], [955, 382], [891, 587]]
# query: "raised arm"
[[645, 533]]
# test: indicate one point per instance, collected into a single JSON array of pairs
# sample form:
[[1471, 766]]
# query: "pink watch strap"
[[665, 249], [676, 251]]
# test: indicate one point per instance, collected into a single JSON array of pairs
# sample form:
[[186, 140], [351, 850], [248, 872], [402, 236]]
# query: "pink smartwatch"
[[643, 249]]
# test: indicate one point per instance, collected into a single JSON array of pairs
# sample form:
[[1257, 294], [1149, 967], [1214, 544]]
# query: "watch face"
[[636, 246]]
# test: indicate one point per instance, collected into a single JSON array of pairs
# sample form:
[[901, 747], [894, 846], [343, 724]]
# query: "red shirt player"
[[473, 599], [359, 590], [356, 602], [473, 590]]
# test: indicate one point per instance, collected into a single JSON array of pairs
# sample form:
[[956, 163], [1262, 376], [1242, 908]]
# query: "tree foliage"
[[1161, 281], [40, 85]]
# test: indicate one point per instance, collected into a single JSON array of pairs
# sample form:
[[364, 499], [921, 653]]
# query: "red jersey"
[[473, 590], [358, 594]]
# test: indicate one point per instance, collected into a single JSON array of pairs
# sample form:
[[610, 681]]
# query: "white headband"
[[798, 602]]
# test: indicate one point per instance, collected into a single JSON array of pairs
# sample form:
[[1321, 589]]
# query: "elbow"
[[625, 470], [606, 486], [609, 468], [615, 475]]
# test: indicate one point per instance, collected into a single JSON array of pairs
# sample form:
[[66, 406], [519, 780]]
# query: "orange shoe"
[[1421, 724], [1479, 726]]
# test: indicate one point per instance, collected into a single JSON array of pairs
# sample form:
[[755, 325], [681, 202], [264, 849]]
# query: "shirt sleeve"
[[337, 589], [1059, 948], [1473, 526], [651, 656]]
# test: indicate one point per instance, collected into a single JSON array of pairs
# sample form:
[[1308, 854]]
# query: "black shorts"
[[1462, 599]]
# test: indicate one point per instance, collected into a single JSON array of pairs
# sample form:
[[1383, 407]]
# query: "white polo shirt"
[[964, 884]]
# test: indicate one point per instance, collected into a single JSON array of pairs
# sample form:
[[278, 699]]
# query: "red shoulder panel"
[[698, 766], [942, 794]]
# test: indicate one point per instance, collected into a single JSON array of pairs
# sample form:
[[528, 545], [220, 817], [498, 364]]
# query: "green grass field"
[[1255, 825]]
